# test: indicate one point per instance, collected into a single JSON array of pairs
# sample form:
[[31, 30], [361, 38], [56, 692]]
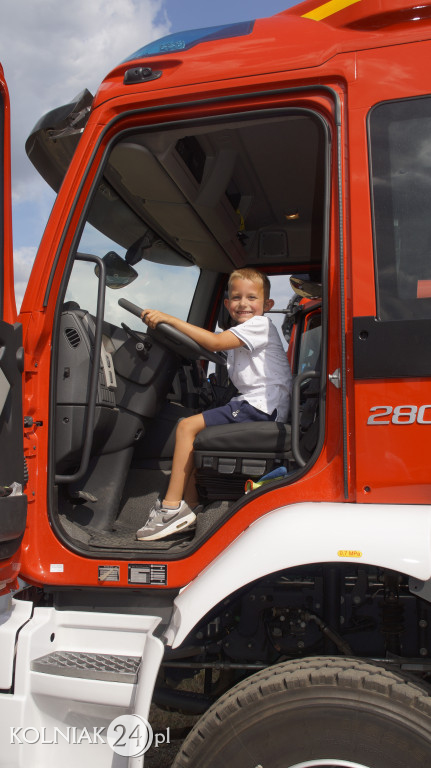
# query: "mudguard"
[[397, 537]]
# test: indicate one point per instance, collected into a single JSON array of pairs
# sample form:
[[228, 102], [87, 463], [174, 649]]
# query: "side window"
[[400, 149], [310, 344], [281, 293]]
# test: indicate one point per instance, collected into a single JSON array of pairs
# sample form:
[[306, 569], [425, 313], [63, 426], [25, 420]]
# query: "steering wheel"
[[175, 340]]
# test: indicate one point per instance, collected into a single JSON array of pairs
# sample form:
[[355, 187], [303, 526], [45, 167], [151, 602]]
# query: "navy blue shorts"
[[235, 412]]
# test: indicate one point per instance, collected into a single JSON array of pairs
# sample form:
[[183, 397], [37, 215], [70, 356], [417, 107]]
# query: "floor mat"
[[142, 489], [124, 535]]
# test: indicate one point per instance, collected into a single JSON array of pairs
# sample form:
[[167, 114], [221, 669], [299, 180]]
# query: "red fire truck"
[[299, 145]]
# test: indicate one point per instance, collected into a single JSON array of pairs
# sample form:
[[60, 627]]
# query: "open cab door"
[[13, 503]]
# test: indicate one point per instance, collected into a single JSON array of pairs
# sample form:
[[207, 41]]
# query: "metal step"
[[94, 666]]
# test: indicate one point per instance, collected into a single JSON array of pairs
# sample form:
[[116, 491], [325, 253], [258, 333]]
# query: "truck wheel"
[[315, 713]]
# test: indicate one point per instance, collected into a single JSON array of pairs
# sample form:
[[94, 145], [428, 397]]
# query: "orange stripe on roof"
[[327, 9]]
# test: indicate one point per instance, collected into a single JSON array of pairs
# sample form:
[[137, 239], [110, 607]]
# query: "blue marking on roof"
[[183, 41]]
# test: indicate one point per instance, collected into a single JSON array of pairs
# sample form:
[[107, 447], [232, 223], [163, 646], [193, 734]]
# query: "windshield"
[[158, 286]]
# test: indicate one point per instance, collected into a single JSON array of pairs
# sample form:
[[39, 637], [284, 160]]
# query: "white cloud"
[[23, 261], [51, 50]]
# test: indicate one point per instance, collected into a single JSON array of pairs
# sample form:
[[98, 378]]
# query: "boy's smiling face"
[[246, 300]]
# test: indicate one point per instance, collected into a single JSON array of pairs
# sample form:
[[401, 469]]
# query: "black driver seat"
[[245, 448], [226, 456]]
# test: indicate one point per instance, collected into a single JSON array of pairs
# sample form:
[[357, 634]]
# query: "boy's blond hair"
[[248, 273]]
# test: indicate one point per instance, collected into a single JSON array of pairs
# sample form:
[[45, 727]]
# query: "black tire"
[[300, 714]]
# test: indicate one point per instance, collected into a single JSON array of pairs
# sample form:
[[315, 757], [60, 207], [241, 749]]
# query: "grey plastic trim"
[[297, 381], [94, 377]]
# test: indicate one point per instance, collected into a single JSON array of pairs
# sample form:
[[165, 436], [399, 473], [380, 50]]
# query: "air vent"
[[73, 337]]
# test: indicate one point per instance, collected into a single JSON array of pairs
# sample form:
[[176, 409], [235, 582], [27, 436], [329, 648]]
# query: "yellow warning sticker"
[[349, 553]]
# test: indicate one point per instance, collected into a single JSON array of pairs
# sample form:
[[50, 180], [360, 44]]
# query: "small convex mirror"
[[118, 272]]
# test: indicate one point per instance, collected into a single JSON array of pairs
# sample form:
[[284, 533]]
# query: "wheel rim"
[[327, 764]]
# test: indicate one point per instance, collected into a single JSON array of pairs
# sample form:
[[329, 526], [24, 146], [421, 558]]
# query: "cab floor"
[[141, 491]]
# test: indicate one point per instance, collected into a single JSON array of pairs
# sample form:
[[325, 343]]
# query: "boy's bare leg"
[[182, 465], [190, 492]]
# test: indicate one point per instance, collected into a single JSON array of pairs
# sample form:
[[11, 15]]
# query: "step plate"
[[94, 666]]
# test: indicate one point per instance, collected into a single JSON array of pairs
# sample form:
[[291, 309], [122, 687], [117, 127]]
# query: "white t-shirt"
[[260, 370]]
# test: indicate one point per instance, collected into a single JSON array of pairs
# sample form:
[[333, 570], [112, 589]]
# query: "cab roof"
[[303, 36]]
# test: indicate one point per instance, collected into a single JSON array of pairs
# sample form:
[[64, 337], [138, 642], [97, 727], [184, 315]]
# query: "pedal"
[[83, 496]]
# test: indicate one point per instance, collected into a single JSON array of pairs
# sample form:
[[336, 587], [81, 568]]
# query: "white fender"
[[397, 537]]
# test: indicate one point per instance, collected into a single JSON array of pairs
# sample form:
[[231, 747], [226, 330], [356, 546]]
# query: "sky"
[[53, 49]]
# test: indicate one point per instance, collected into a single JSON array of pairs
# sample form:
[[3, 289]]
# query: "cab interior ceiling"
[[228, 194]]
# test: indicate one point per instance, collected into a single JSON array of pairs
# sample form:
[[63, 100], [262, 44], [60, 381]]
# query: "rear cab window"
[[400, 141], [400, 179]]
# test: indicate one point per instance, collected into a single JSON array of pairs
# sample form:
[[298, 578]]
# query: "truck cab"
[[175, 205], [297, 145]]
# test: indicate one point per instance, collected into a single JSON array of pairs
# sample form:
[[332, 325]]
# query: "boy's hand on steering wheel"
[[152, 317]]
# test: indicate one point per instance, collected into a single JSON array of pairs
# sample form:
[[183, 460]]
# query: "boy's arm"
[[214, 342]]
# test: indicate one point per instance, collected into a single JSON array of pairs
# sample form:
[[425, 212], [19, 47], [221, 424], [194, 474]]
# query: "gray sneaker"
[[164, 522]]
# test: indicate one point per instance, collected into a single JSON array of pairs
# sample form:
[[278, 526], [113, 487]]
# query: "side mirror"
[[305, 288], [118, 273]]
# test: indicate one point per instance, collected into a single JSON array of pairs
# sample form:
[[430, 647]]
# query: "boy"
[[258, 368]]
